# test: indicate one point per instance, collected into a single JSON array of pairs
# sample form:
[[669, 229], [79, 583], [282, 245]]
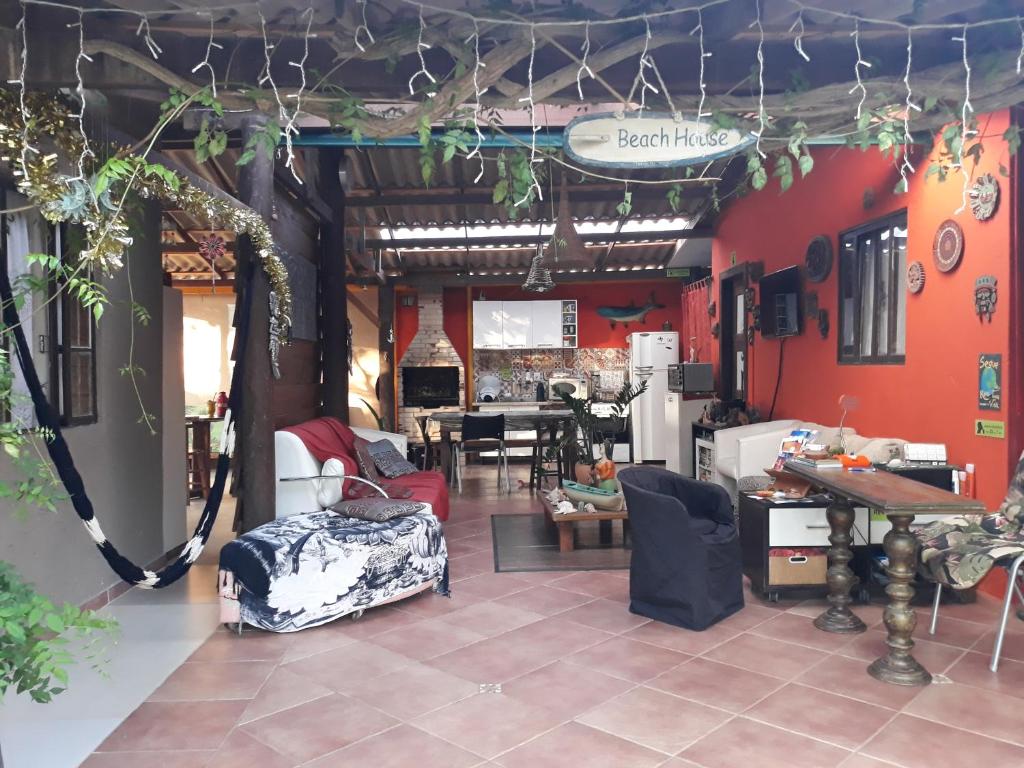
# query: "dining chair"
[[480, 434], [959, 552]]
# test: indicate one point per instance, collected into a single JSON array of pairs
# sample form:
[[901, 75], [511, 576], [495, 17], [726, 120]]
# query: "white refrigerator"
[[650, 355]]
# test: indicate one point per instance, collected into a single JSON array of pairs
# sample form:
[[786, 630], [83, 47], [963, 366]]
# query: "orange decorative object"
[[853, 461], [605, 469]]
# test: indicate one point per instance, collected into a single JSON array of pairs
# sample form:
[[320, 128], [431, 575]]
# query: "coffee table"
[[565, 523]]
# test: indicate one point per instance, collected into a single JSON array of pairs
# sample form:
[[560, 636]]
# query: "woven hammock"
[[48, 418]]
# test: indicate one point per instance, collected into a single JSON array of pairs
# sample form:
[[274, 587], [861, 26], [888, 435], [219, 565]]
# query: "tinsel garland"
[[46, 121]]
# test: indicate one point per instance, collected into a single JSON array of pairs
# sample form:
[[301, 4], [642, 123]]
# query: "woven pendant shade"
[[566, 249], [539, 278]]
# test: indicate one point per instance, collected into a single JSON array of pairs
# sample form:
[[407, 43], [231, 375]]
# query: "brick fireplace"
[[429, 347]]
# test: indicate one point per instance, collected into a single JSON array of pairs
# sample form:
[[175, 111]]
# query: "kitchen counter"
[[508, 405]]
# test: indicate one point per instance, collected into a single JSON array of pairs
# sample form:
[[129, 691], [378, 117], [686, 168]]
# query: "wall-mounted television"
[[430, 386], [780, 303]]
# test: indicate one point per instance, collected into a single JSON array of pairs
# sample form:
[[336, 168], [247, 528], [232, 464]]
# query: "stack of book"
[[826, 463]]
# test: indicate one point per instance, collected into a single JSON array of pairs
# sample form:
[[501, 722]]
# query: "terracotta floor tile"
[[566, 690], [159, 725], [593, 583], [821, 715], [609, 615], [213, 680], [241, 750], [487, 618], [426, 639], [749, 616], [719, 685], [973, 709], [465, 566], [794, 628], [401, 747], [683, 640], [340, 632], [654, 719], [178, 758], [916, 743], [628, 659], [494, 660], [487, 724], [1013, 643], [350, 666], [540, 577], [414, 690], [313, 729], [251, 645], [849, 677], [282, 690], [951, 631], [870, 614], [469, 545], [863, 761], [428, 605], [743, 742], [870, 645], [986, 610], [544, 600], [573, 744], [766, 655], [489, 586], [555, 637]]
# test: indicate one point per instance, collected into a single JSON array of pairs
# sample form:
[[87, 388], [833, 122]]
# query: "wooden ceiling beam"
[[590, 193], [461, 243]]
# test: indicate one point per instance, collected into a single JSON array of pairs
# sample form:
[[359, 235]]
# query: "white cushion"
[[329, 492]]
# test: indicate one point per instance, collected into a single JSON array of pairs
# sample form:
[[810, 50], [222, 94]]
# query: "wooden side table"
[[566, 523]]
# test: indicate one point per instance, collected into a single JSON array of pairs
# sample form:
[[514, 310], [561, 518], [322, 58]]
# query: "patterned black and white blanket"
[[305, 570]]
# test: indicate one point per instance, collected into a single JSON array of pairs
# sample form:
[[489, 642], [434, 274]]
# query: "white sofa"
[[291, 459], [747, 451]]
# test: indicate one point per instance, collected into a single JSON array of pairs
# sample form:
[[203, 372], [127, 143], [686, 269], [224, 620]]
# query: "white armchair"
[[291, 459]]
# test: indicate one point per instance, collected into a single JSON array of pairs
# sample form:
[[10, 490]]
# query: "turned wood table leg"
[[899, 666], [839, 618]]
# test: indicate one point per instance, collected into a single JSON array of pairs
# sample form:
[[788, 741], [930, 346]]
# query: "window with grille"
[[872, 296]]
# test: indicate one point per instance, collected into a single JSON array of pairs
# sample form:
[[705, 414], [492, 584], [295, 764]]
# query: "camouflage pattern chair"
[[959, 551]]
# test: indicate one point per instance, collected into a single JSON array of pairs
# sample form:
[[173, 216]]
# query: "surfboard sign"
[[649, 140]]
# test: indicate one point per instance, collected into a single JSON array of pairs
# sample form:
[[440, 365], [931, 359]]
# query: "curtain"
[[696, 322]]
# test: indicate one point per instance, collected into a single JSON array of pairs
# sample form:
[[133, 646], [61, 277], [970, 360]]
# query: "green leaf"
[[930, 102], [759, 178], [246, 157], [500, 191], [806, 163]]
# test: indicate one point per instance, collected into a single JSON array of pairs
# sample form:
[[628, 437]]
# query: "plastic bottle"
[[970, 480]]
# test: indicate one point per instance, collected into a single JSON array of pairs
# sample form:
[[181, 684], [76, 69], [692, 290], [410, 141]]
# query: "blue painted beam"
[[490, 140]]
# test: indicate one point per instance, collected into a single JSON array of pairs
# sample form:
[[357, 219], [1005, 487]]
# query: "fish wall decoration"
[[630, 314]]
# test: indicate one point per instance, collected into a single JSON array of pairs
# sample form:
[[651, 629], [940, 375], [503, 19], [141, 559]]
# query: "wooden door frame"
[[743, 274], [1014, 367]]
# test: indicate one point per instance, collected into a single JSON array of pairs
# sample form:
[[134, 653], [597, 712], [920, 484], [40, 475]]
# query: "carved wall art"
[[984, 195], [948, 246], [915, 277], [985, 297]]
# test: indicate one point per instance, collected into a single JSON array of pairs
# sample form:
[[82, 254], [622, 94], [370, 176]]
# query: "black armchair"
[[686, 568]]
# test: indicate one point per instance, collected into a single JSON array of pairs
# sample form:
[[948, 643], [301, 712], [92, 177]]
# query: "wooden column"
[[255, 430], [386, 347], [333, 291]]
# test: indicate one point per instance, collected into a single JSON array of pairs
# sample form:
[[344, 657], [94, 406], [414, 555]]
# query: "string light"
[[699, 30], [290, 129], [420, 47], [644, 63], [26, 117], [585, 51], [80, 90], [210, 45], [364, 27], [965, 130], [798, 41], [477, 93], [909, 105], [143, 31], [1020, 55], [856, 70], [535, 184], [762, 118]]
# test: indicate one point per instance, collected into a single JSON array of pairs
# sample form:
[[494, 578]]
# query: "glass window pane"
[[884, 276], [900, 245], [866, 261], [80, 381]]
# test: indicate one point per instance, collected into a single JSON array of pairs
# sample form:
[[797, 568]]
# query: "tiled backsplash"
[[521, 370]]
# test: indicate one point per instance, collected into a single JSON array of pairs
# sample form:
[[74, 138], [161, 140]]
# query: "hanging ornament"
[[984, 195], [566, 247], [539, 278], [212, 248]]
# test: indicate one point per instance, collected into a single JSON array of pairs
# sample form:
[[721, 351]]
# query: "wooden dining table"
[[200, 450], [900, 499], [544, 422]]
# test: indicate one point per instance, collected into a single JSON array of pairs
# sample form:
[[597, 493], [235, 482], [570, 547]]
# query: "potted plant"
[[593, 430]]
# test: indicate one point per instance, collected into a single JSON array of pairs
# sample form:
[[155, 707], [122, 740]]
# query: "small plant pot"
[[584, 474]]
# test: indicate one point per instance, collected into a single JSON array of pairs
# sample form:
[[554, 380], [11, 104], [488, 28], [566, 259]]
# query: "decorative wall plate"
[[948, 246], [984, 197], [819, 258], [915, 277]]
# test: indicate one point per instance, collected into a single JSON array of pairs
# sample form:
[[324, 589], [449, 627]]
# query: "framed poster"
[[990, 382]]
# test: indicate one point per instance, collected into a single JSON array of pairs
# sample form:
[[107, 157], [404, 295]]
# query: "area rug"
[[525, 543]]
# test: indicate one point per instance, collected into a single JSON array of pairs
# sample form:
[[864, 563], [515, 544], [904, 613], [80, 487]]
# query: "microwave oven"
[[570, 385]]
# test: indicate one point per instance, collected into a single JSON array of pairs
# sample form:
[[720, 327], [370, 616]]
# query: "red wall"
[[934, 396], [594, 330]]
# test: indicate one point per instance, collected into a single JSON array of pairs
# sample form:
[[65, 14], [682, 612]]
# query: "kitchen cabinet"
[[517, 324], [546, 324], [487, 325]]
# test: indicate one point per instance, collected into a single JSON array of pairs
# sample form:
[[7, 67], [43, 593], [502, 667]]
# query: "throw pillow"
[[363, 491], [365, 461], [377, 510], [388, 460], [330, 491]]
